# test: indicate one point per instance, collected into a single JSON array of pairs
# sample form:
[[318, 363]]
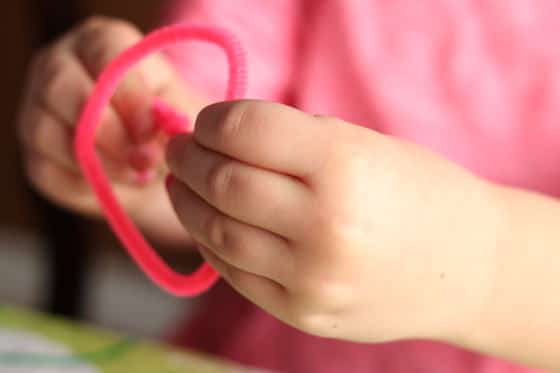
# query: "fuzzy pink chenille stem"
[[169, 122]]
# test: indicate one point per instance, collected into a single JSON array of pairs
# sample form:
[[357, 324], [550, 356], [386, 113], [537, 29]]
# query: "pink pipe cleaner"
[[169, 122]]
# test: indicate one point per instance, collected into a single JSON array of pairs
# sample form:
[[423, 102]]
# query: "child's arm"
[[521, 318], [346, 233]]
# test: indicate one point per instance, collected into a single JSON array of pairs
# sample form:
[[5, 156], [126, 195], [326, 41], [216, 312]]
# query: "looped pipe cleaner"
[[171, 123]]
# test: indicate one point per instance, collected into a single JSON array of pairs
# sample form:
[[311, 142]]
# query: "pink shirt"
[[476, 81]]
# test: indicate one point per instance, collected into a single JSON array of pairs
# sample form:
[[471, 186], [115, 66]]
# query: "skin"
[[337, 230], [60, 79]]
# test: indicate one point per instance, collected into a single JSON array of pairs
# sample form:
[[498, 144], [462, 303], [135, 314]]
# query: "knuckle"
[[93, 51], [235, 120], [333, 227], [319, 311], [312, 322], [213, 230], [92, 46], [323, 290], [27, 132], [220, 180], [223, 238], [230, 124], [98, 35], [53, 76], [333, 294], [338, 225]]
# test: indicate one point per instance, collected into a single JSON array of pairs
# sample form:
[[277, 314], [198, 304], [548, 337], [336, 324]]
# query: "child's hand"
[[333, 228], [60, 81]]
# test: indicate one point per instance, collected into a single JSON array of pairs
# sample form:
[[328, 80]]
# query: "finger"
[[69, 189], [63, 187], [134, 99], [41, 132], [262, 291], [241, 245], [173, 111], [175, 95], [255, 196], [264, 134], [62, 88], [62, 85], [153, 77]]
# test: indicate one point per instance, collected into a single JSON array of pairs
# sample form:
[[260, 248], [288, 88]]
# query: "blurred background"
[[51, 260]]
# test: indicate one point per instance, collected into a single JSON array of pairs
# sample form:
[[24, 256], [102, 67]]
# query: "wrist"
[[472, 273], [521, 302]]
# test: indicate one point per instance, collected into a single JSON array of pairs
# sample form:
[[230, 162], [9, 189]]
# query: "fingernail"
[[142, 158], [141, 178], [143, 125], [147, 176]]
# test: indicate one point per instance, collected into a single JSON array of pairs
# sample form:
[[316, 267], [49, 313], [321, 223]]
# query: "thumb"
[[96, 46], [154, 77], [152, 84]]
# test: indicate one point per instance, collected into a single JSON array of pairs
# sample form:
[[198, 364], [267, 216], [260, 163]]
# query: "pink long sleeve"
[[476, 81], [269, 36]]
